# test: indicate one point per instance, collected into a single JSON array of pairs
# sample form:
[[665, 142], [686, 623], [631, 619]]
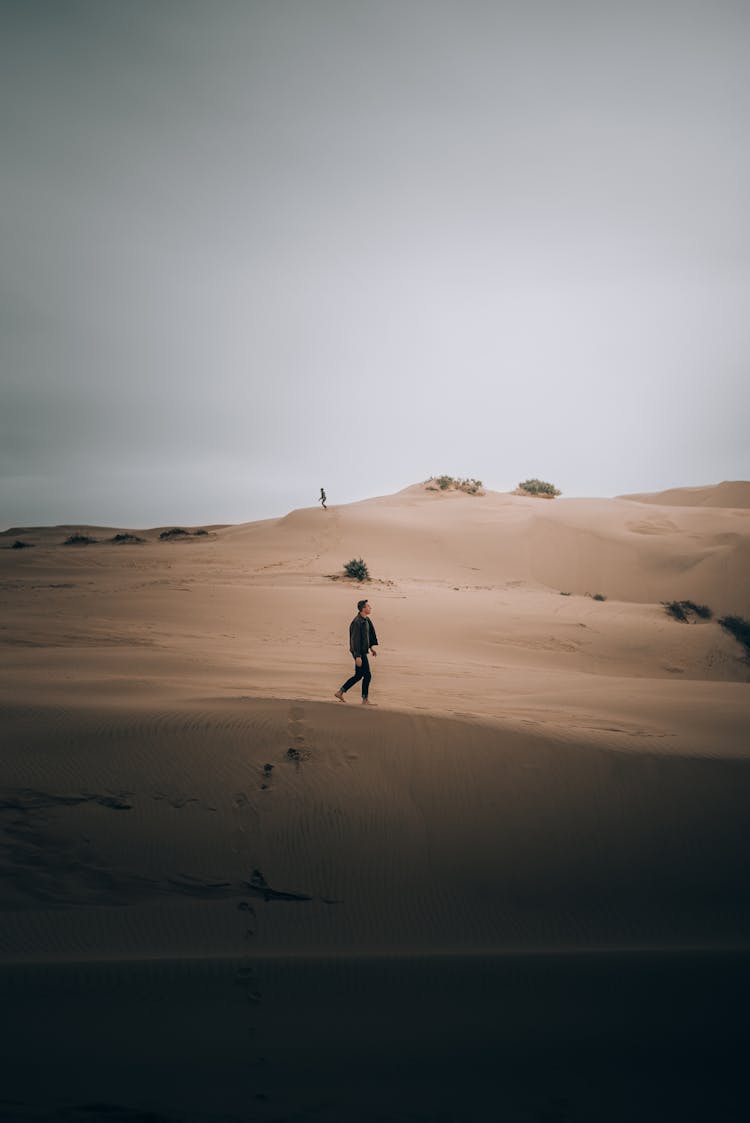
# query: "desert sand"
[[231, 892]]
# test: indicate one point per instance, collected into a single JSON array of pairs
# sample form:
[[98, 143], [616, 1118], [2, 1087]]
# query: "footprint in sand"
[[295, 724], [297, 755], [247, 977], [300, 748], [245, 906]]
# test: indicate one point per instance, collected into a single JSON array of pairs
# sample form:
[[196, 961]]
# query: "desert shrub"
[[455, 483], [175, 532], [738, 627], [564, 594], [199, 533], [539, 487], [599, 596], [684, 610], [126, 538], [78, 540], [21, 545], [701, 610], [357, 568]]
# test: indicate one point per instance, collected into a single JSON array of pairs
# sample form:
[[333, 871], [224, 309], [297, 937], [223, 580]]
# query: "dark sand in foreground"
[[414, 919], [548, 1038]]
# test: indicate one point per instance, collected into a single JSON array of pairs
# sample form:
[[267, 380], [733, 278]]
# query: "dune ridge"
[[729, 493]]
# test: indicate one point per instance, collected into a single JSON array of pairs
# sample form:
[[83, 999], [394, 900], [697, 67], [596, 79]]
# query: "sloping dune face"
[[730, 493], [197, 832], [610, 546]]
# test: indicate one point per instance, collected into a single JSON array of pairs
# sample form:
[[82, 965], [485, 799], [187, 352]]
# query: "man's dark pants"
[[363, 673]]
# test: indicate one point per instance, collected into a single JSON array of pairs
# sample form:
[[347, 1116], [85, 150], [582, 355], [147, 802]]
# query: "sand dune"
[[574, 545], [185, 806], [730, 493], [134, 685]]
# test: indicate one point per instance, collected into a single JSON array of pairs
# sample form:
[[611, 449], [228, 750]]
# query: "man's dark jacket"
[[362, 636]]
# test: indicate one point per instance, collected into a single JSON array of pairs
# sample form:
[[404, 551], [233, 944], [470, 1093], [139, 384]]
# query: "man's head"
[[363, 607]]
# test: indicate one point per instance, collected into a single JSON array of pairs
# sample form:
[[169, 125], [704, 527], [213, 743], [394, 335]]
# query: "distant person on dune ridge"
[[362, 640], [323, 499]]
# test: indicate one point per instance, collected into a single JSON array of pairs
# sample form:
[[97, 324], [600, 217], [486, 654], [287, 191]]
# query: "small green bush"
[[684, 610], [357, 568], [175, 532], [539, 487], [599, 596], [120, 538], [738, 627], [78, 540], [564, 594], [454, 483], [19, 544], [199, 533]]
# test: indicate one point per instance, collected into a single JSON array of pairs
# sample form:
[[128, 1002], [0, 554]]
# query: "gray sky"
[[249, 249]]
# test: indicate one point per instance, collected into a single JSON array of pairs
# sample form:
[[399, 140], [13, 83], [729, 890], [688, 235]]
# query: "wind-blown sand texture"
[[548, 807]]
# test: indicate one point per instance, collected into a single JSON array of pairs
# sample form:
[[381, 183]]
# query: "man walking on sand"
[[362, 641]]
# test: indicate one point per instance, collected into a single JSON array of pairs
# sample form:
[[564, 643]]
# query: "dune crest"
[[611, 546]]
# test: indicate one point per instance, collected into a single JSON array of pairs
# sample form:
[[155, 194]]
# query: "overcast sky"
[[252, 248]]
